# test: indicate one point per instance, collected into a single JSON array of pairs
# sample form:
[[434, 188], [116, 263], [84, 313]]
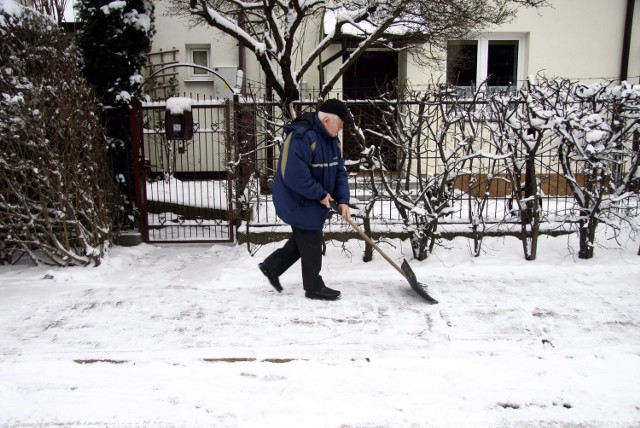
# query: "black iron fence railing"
[[483, 186], [462, 162]]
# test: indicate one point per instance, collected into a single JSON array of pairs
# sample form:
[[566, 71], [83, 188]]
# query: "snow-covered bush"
[[586, 136], [426, 130], [597, 126], [520, 129], [56, 194], [114, 37]]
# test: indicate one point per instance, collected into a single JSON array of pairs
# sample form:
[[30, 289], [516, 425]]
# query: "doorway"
[[373, 74]]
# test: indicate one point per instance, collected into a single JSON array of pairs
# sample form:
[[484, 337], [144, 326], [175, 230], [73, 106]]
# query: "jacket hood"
[[304, 121]]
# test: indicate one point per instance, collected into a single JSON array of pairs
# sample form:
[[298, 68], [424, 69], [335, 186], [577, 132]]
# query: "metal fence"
[[484, 178], [198, 189], [184, 187]]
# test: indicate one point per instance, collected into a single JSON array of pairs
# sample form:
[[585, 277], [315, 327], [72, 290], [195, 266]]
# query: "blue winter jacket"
[[310, 166]]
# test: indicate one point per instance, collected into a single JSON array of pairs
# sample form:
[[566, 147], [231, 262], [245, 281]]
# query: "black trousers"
[[305, 245]]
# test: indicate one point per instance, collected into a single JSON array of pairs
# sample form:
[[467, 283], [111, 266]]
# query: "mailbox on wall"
[[178, 122]]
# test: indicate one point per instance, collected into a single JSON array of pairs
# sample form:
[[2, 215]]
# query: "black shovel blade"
[[419, 288]]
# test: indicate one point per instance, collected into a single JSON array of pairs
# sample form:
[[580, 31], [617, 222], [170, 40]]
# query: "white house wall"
[[173, 32], [634, 55], [576, 39]]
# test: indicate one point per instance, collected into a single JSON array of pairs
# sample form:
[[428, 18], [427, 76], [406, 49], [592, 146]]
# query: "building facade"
[[574, 39]]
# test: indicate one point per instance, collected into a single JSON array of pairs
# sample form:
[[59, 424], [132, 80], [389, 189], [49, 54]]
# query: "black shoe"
[[325, 293], [273, 280]]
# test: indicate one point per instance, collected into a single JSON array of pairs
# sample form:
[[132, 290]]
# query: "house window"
[[462, 62], [496, 60], [199, 56], [502, 63]]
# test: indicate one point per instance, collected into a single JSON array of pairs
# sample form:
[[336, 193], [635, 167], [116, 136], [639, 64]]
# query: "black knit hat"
[[338, 108]]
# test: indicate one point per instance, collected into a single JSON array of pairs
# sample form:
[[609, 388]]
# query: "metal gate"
[[183, 188]]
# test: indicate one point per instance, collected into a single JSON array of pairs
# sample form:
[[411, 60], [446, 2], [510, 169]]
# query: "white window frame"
[[198, 74], [483, 55]]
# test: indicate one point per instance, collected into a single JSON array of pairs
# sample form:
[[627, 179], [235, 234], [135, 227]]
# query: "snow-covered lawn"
[[192, 335]]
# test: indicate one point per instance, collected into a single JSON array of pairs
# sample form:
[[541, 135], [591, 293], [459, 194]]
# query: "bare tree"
[[52, 8], [522, 126], [513, 137], [599, 152], [431, 129], [274, 30]]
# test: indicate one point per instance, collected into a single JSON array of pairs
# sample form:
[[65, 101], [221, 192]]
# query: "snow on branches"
[[57, 200], [277, 33], [428, 152]]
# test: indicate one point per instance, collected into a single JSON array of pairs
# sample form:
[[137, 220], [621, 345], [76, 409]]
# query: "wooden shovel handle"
[[364, 236]]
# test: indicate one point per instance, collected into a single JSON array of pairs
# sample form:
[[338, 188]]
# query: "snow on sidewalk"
[[193, 335]]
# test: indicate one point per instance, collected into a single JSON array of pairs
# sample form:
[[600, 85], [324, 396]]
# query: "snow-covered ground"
[[192, 335]]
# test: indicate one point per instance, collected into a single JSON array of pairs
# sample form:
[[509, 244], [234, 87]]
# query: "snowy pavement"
[[192, 335]]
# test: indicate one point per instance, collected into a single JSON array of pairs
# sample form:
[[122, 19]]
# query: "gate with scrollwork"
[[183, 188]]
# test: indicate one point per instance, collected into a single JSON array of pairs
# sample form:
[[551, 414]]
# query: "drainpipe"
[[242, 66], [626, 41], [242, 61], [320, 66]]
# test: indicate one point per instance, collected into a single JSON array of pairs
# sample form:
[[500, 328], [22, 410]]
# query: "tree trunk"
[[423, 240], [530, 214], [587, 238], [477, 241], [529, 242]]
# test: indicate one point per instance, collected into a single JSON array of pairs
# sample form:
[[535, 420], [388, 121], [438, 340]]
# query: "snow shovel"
[[405, 269]]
